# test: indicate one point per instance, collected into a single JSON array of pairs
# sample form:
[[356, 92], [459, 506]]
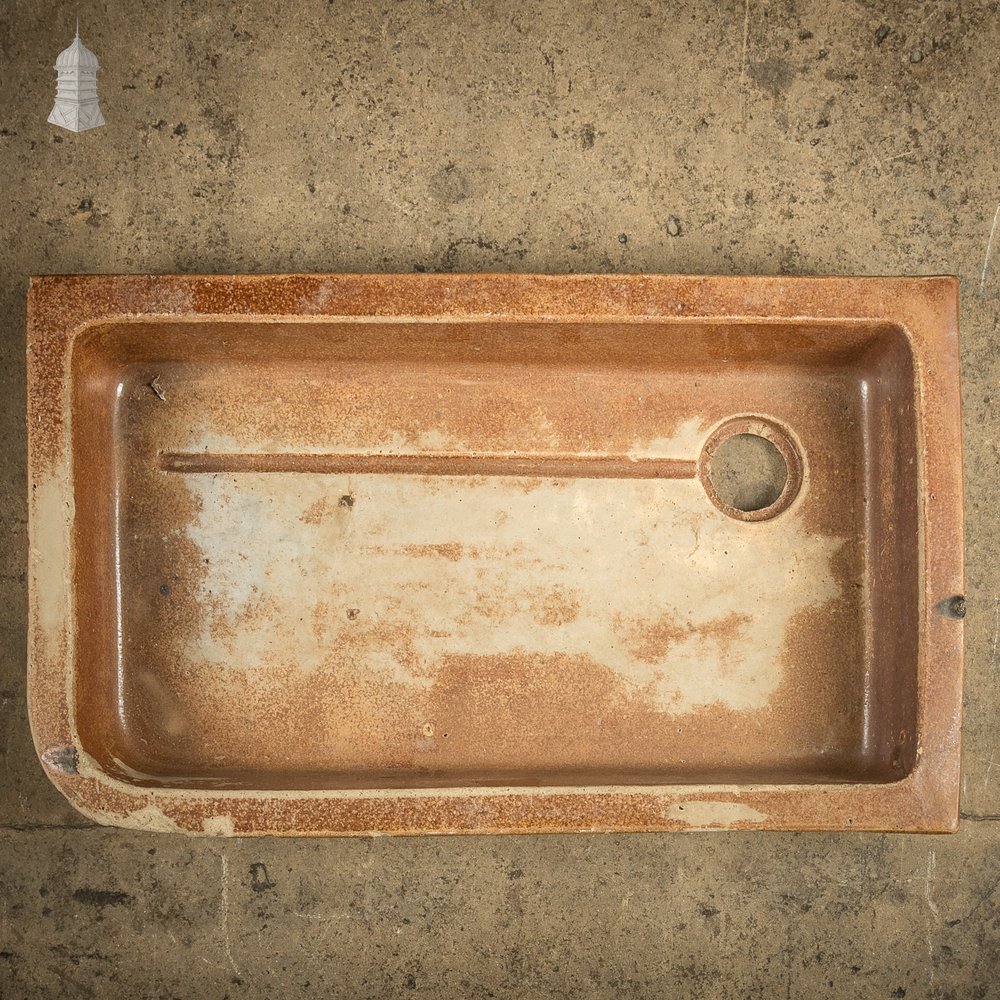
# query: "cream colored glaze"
[[52, 512], [691, 610], [704, 815]]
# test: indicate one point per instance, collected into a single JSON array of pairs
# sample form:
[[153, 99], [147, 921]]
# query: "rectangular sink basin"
[[489, 553]]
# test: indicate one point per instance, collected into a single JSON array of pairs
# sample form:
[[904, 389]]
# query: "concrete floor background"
[[739, 137]]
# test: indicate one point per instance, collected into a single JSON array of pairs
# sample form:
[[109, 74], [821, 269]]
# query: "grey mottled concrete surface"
[[734, 137]]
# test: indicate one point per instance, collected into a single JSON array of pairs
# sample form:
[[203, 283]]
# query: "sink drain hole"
[[748, 472], [750, 468]]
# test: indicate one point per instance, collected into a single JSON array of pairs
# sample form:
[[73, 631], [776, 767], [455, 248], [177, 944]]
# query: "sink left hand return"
[[496, 553]]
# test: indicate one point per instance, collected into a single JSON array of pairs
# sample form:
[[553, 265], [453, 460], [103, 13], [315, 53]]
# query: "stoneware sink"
[[485, 553]]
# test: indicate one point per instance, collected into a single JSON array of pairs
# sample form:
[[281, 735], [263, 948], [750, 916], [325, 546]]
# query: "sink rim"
[[925, 309]]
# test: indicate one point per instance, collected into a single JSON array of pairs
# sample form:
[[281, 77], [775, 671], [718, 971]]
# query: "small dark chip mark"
[[882, 34], [180, 129], [347, 500], [8, 954], [103, 897], [157, 388], [158, 83], [515, 873], [259, 880], [622, 238], [411, 981], [65, 759], [952, 607], [899, 991], [352, 613], [165, 589], [709, 911], [804, 36]]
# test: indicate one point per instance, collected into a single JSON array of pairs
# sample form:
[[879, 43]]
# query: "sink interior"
[[342, 555]]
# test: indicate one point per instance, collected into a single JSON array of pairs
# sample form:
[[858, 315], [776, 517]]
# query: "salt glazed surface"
[[423, 554]]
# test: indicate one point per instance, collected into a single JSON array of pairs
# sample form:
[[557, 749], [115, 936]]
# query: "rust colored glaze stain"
[[486, 553]]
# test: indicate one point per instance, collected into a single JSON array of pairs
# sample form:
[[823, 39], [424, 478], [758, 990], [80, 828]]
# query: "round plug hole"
[[748, 472], [750, 468]]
